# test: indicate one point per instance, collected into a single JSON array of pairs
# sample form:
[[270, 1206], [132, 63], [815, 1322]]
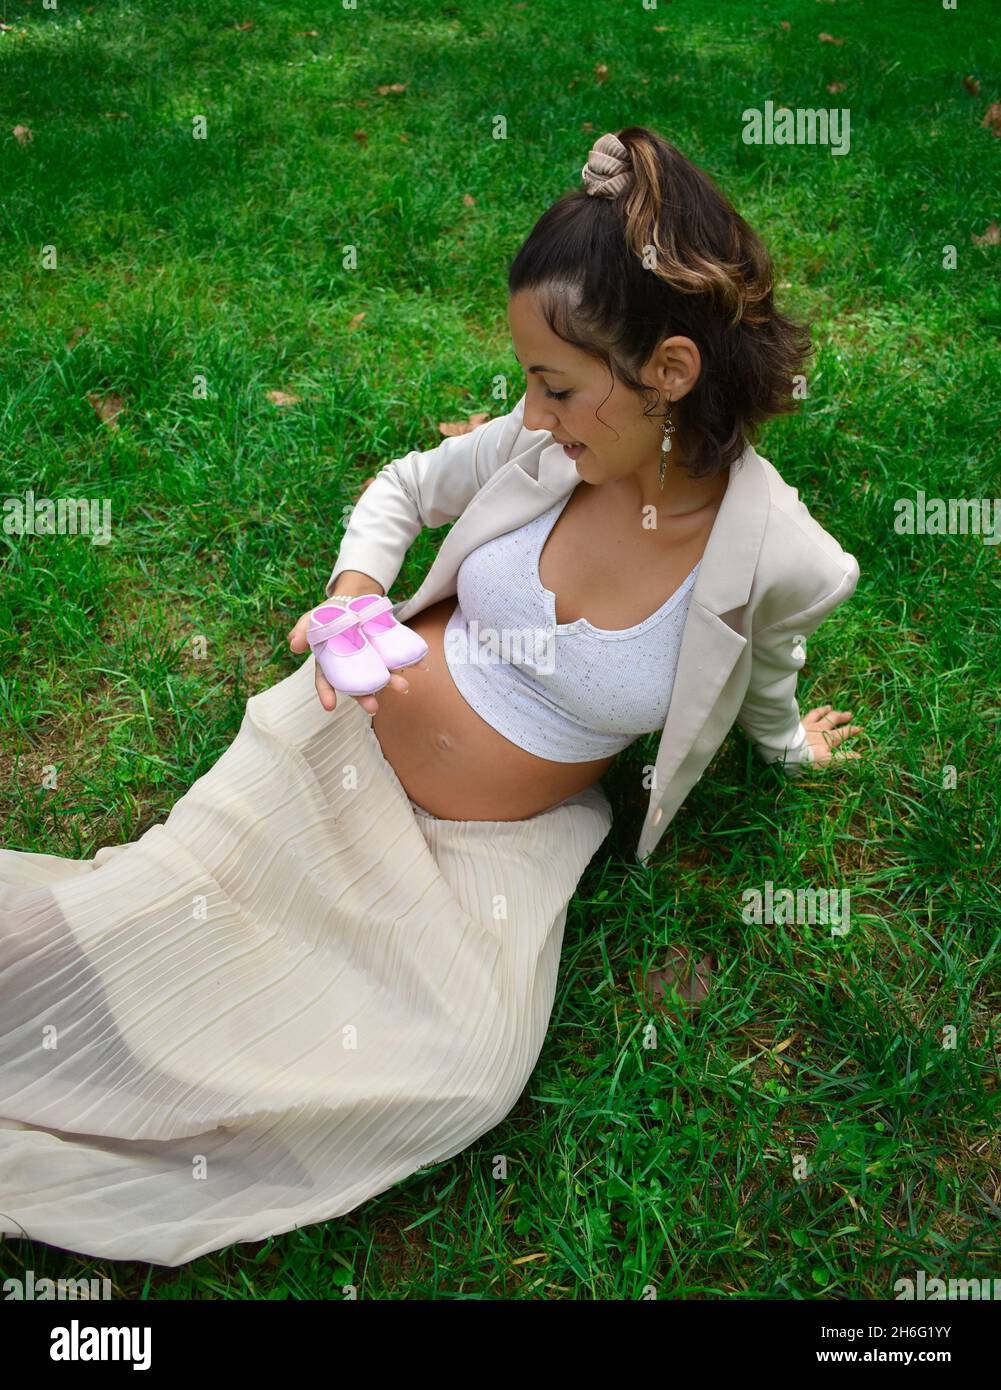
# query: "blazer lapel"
[[511, 498], [712, 640]]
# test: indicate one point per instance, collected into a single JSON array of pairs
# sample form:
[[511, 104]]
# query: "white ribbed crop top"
[[569, 692]]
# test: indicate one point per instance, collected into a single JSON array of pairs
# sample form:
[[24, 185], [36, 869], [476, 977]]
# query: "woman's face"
[[566, 390]]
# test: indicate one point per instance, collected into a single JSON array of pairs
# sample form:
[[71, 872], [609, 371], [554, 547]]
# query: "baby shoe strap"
[[377, 604], [323, 631]]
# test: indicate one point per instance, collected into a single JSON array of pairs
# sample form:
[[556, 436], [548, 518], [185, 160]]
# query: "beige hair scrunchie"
[[608, 171]]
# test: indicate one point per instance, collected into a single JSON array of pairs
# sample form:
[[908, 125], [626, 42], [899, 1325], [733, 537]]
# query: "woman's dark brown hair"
[[669, 255]]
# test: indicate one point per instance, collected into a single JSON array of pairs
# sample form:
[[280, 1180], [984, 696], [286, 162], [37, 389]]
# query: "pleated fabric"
[[289, 996]]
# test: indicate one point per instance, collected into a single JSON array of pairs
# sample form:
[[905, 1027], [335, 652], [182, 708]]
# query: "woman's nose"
[[538, 418]]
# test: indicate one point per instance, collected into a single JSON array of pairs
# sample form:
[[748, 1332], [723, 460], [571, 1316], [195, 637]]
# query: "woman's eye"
[[557, 395]]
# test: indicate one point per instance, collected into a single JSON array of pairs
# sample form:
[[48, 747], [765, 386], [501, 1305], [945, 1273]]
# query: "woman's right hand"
[[326, 692]]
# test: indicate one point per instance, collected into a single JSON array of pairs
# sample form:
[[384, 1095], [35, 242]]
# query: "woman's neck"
[[681, 494]]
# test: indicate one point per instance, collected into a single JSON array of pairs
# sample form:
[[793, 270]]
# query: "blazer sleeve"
[[425, 488], [770, 713]]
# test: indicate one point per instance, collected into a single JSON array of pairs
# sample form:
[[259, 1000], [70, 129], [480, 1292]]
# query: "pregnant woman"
[[335, 961]]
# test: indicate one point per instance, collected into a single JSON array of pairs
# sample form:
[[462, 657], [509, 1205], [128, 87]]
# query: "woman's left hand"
[[825, 730]]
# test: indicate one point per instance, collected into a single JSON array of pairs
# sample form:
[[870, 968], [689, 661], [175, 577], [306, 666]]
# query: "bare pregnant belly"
[[452, 762]]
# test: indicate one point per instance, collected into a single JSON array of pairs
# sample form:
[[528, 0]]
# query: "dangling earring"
[[665, 443]]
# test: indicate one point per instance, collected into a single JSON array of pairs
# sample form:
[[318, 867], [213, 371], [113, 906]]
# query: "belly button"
[[442, 742]]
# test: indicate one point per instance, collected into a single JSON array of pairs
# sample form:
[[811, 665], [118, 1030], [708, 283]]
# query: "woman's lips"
[[574, 451]]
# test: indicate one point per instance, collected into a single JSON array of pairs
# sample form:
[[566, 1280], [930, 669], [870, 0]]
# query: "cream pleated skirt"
[[292, 994]]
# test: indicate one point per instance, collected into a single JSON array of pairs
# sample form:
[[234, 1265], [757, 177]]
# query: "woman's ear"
[[674, 367]]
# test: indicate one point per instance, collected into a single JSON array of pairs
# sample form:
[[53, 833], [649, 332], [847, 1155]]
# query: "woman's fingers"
[[836, 737], [326, 692], [297, 635], [830, 722], [371, 704], [837, 730], [831, 739], [826, 718], [328, 695], [825, 715]]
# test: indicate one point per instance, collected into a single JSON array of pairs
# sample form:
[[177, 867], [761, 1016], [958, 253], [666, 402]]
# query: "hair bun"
[[608, 171]]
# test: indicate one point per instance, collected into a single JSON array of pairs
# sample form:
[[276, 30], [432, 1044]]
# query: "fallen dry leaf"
[[992, 118], [74, 338], [452, 427], [600, 71], [22, 134], [361, 137], [357, 319], [469, 200], [836, 86], [992, 236], [307, 34], [691, 984], [108, 406], [972, 85], [393, 87], [118, 115], [587, 125], [829, 38], [404, 137], [283, 398], [247, 24], [784, 24]]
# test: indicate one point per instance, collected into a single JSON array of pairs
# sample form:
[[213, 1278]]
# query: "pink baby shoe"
[[395, 643], [343, 653]]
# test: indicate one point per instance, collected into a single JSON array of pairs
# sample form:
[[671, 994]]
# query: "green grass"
[[630, 1164]]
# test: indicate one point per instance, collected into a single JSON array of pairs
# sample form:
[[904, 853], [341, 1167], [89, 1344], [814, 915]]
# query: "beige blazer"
[[769, 576]]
